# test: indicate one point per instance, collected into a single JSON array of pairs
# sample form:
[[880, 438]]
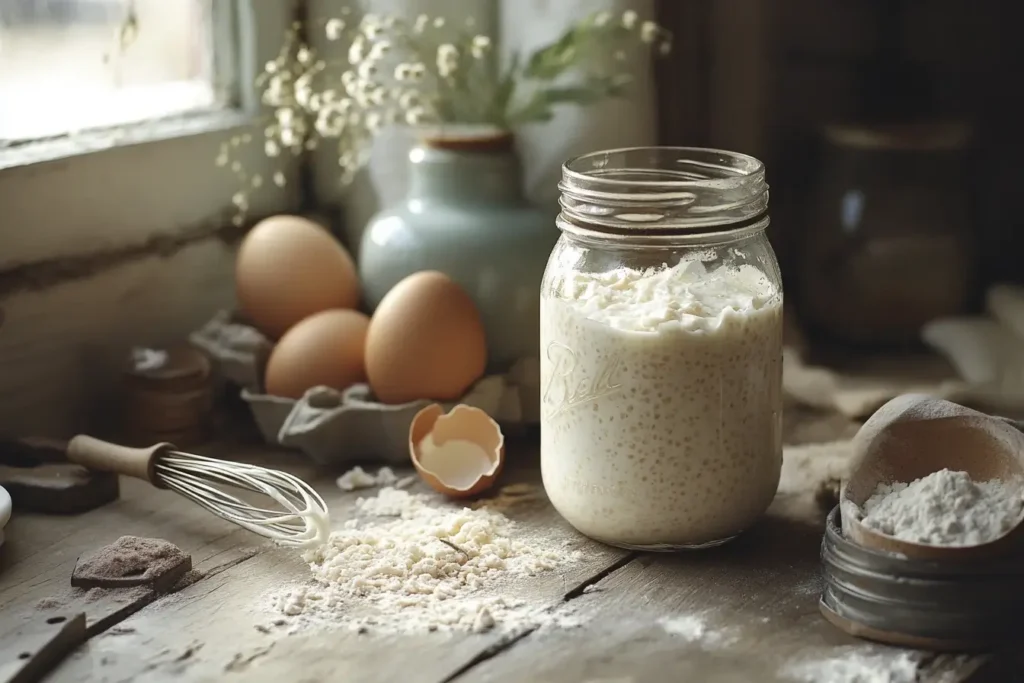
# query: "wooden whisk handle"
[[96, 454]]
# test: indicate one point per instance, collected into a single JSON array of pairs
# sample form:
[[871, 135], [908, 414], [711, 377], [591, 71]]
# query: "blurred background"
[[890, 127], [891, 132]]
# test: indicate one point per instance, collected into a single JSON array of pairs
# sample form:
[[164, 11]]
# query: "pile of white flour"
[[358, 478], [411, 563], [945, 508], [856, 665]]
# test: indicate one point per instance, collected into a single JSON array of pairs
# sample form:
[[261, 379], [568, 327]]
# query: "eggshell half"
[[459, 454]]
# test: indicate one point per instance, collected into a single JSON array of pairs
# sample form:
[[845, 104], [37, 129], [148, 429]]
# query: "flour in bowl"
[[412, 563], [945, 508]]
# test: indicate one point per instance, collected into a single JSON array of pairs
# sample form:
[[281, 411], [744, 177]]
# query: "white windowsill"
[[62, 147], [49, 115]]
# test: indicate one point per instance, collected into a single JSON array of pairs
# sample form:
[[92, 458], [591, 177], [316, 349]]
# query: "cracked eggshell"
[[459, 454]]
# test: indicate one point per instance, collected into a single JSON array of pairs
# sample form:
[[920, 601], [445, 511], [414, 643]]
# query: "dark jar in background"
[[167, 397], [889, 244]]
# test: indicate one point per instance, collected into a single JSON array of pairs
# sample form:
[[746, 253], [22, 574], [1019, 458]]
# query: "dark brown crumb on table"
[[132, 556]]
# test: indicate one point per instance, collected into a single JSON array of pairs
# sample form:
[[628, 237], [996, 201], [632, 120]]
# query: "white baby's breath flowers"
[[334, 29], [372, 26], [366, 71], [357, 50], [447, 60], [416, 116], [649, 32], [480, 46], [425, 71], [374, 122], [331, 119], [409, 72], [379, 50], [348, 81], [409, 99]]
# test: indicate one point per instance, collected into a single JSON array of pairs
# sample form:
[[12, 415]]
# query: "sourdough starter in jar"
[[661, 395]]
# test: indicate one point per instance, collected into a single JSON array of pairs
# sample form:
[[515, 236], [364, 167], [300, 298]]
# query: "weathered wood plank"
[[209, 631], [738, 613], [41, 551], [743, 612], [62, 347]]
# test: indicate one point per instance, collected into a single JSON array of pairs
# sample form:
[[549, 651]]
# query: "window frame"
[[113, 188]]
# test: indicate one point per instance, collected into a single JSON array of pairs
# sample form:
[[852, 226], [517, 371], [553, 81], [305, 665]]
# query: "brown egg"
[[289, 268], [425, 341], [325, 349], [459, 454]]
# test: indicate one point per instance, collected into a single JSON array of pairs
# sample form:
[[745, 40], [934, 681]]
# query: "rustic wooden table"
[[759, 594]]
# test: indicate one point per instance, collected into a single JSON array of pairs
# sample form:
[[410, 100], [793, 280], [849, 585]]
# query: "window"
[[107, 57], [112, 113], [111, 201]]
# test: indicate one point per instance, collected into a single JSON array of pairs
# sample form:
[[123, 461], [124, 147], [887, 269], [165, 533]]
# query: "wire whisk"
[[301, 521]]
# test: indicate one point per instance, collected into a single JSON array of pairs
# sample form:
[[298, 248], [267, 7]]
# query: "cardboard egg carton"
[[350, 426]]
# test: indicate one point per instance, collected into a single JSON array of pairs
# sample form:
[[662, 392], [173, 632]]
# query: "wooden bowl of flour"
[[913, 436]]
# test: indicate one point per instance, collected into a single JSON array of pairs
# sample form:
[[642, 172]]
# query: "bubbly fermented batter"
[[661, 400]]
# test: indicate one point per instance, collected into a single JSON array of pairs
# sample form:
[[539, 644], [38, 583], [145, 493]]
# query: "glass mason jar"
[[661, 349]]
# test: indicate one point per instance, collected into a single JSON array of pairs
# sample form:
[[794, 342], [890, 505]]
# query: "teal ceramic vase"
[[465, 215]]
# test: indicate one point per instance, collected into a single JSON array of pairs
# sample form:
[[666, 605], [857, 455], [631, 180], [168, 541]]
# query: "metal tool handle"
[[100, 455]]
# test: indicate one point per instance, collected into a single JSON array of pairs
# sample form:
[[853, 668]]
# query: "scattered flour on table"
[[411, 563], [855, 665], [945, 508], [694, 629], [75, 596], [358, 478]]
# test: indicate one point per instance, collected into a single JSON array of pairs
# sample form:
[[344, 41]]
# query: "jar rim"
[[750, 166], [663, 190]]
